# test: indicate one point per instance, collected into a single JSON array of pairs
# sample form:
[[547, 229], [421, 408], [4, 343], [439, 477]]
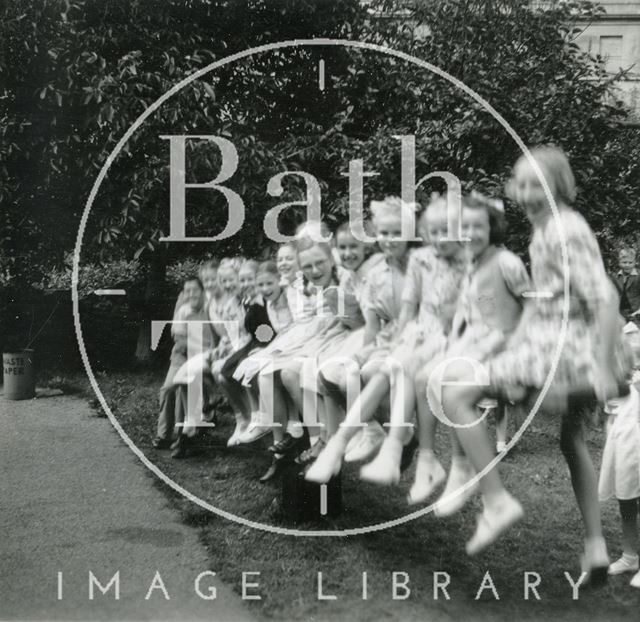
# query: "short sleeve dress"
[[620, 470], [530, 352], [262, 321], [490, 303], [433, 283], [313, 318], [234, 336], [380, 292]]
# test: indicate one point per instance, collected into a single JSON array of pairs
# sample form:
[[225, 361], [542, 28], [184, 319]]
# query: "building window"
[[611, 52]]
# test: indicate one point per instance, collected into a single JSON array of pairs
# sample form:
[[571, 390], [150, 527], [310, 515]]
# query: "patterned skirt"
[[287, 350], [528, 357]]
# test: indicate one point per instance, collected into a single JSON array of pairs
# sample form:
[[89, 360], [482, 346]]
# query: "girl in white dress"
[[620, 471]]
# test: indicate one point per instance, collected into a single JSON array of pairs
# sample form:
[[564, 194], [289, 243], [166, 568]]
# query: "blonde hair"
[[307, 234], [291, 245], [305, 242], [228, 265], [249, 264], [628, 251], [394, 207], [556, 170], [437, 203]]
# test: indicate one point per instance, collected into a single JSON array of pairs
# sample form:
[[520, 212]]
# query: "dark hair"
[[194, 278], [210, 264], [495, 211]]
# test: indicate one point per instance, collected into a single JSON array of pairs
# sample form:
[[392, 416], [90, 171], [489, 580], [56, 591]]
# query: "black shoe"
[[287, 445], [309, 455], [161, 443], [277, 448], [179, 448], [408, 451], [272, 471], [209, 414]]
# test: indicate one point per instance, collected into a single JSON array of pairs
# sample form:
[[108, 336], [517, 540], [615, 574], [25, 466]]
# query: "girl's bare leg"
[[273, 403], [501, 510], [385, 468], [334, 415], [629, 516], [291, 382], [364, 408], [239, 401], [585, 487], [254, 399], [429, 471], [459, 407], [583, 474], [237, 398], [502, 424]]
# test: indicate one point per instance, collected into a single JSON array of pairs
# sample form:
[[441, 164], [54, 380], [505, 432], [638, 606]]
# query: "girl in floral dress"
[[332, 350], [314, 307], [591, 363], [430, 292], [380, 304], [489, 310]]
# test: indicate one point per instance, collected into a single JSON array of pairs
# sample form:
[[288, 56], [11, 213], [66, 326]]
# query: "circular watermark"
[[155, 106]]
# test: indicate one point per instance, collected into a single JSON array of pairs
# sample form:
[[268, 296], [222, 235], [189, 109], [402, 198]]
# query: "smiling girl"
[[488, 311], [429, 295], [287, 264], [310, 318], [591, 364], [266, 315]]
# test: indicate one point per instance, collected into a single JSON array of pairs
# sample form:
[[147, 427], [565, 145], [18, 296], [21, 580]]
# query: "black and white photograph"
[[320, 310]]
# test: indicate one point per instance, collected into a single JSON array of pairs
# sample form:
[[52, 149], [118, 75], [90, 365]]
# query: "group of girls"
[[337, 341]]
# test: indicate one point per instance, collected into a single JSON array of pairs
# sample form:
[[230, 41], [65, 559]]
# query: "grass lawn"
[[548, 541]]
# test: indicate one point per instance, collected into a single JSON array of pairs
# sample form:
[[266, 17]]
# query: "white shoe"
[[429, 475], [240, 429], [635, 580], [449, 502], [385, 467], [501, 447], [626, 563], [370, 440], [328, 463], [255, 430], [493, 521]]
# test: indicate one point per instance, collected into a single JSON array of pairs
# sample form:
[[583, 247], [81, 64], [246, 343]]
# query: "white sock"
[[461, 462], [394, 447], [425, 454], [294, 428]]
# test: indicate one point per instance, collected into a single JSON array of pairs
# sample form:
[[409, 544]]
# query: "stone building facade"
[[616, 37]]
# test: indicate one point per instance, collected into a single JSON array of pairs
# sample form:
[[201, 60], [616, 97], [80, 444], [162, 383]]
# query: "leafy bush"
[[178, 272], [107, 275]]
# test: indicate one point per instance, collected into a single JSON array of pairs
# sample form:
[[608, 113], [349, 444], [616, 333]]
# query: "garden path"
[[74, 499]]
